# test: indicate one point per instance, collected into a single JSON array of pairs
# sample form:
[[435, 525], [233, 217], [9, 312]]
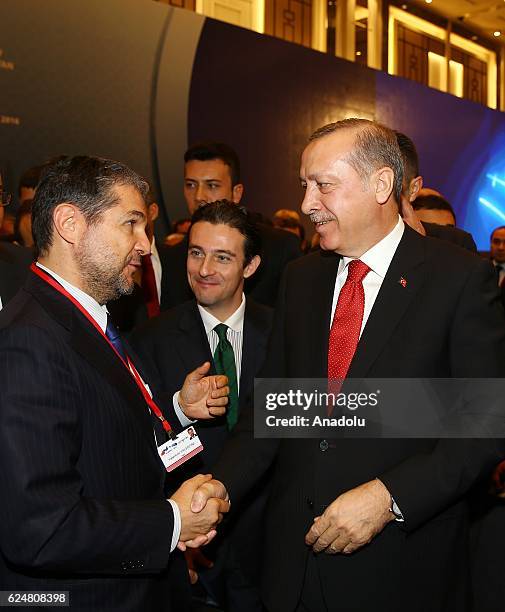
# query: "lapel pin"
[[403, 282]]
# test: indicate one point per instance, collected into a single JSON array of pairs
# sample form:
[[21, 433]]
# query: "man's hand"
[[195, 559], [198, 527], [204, 397], [207, 490], [352, 520], [409, 216]]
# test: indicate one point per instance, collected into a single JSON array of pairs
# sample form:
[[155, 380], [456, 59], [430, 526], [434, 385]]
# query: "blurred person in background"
[[23, 225], [14, 261], [434, 209], [289, 220], [179, 229], [28, 182]]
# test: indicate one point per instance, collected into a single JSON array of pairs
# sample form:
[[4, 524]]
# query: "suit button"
[[323, 445]]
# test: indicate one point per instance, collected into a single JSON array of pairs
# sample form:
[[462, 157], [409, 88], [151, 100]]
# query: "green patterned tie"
[[224, 360]]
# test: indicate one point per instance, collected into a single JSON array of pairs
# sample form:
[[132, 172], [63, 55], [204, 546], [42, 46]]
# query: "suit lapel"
[[403, 281], [192, 344], [90, 345], [319, 326], [254, 341]]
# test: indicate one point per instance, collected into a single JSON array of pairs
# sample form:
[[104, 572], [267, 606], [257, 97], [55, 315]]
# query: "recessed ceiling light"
[[428, 1], [358, 52], [497, 33], [404, 6], [476, 37]]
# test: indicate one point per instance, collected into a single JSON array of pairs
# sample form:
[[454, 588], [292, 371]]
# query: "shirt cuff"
[[399, 518], [176, 534], [183, 419]]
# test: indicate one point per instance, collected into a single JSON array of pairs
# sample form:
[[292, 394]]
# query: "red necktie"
[[344, 333], [149, 287]]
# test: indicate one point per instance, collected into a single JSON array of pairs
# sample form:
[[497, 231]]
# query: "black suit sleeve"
[[424, 485], [48, 519]]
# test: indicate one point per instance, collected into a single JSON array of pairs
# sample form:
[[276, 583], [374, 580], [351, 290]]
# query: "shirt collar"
[[92, 307], [234, 322], [380, 255], [154, 250]]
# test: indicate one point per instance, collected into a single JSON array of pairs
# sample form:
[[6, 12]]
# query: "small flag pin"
[[403, 282]]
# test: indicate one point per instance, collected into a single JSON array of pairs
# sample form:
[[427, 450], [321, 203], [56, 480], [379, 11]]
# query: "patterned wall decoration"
[[475, 76], [290, 20], [413, 51]]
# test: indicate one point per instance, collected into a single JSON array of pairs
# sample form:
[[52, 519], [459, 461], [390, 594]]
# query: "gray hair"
[[375, 146]]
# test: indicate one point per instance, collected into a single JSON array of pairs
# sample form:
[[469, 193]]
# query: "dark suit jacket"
[[174, 344], [14, 263], [447, 322], [278, 249], [83, 507], [451, 234]]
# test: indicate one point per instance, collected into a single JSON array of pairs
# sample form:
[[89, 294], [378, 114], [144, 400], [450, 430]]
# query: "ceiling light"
[[497, 33], [428, 1], [404, 6], [476, 37], [358, 52]]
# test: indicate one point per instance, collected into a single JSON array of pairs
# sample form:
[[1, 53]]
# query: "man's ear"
[[252, 266], [69, 222], [237, 192], [416, 184], [153, 211], [384, 184]]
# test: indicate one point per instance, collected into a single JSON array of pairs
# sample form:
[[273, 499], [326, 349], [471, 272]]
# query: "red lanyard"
[[127, 364]]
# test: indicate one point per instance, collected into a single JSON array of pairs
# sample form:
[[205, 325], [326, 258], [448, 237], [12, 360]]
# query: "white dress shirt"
[[99, 314], [234, 333], [378, 259], [158, 271], [501, 272]]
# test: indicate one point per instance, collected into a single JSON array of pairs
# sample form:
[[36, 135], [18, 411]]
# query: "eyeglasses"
[[5, 198]]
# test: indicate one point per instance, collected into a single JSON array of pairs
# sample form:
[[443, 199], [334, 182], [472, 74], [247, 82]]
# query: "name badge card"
[[175, 452]]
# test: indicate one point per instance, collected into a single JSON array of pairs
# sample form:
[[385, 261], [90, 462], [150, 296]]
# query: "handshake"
[[202, 502]]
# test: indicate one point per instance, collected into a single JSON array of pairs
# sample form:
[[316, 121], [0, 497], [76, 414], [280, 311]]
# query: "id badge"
[[175, 452]]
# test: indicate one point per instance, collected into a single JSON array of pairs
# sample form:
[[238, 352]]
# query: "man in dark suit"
[[84, 507], [497, 253], [14, 260], [370, 524], [212, 172], [411, 189], [223, 252]]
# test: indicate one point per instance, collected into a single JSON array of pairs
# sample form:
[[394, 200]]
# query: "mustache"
[[318, 218], [135, 260]]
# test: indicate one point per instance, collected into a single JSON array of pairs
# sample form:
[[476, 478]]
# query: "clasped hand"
[[202, 503]]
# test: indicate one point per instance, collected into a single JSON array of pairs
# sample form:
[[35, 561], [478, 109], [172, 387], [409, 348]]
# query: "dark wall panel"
[[265, 96]]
